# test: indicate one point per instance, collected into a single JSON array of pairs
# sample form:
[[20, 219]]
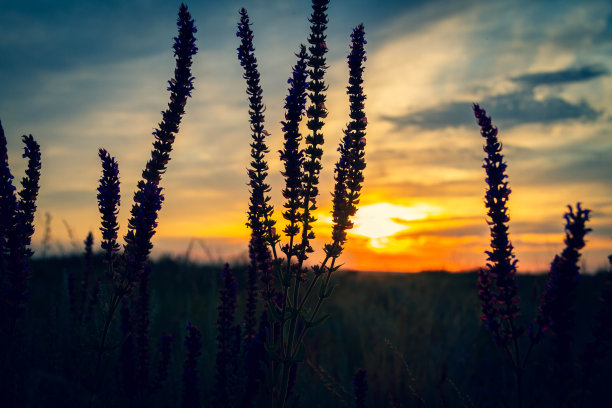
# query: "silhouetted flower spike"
[[594, 357], [360, 384], [140, 303], [350, 165], [226, 334], [556, 310], [148, 201], [180, 88], [128, 356], [502, 265], [193, 343], [148, 198], [260, 211], [315, 113], [108, 205], [7, 195], [88, 258], [490, 316], [16, 228], [250, 320], [27, 201], [291, 155], [165, 349]]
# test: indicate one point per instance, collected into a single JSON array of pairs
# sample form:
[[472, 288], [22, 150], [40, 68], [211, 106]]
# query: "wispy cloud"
[[510, 109], [564, 76]]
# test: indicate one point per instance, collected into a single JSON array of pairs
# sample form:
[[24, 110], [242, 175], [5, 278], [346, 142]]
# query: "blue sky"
[[83, 75]]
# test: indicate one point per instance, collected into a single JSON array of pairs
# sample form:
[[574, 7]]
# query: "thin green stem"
[[114, 303]]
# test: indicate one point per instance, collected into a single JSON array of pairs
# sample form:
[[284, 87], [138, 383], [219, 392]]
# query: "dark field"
[[444, 356]]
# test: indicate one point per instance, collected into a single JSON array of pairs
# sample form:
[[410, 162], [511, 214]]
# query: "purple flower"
[[27, 201], [108, 205], [165, 349], [499, 298], [556, 312], [16, 229], [127, 359], [88, 256], [148, 197], [360, 385], [260, 211], [350, 165], [180, 88], [315, 112], [191, 389], [140, 304], [291, 155], [250, 320], [226, 333]]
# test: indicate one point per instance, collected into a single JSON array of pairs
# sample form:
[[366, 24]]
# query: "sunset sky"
[[80, 75]]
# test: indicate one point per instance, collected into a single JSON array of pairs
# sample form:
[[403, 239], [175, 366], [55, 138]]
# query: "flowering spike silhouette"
[[16, 229], [87, 271], [350, 165], [501, 268], [108, 204], [165, 349], [226, 333], [360, 384], [260, 211], [147, 199], [315, 112], [285, 298], [291, 155], [556, 311], [27, 201], [193, 344]]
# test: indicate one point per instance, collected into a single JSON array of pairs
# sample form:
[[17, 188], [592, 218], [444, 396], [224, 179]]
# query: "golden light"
[[381, 221]]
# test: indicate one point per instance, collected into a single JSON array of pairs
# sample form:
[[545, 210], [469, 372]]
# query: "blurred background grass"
[[430, 318]]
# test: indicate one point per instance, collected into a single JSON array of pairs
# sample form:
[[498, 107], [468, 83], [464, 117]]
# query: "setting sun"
[[383, 220]]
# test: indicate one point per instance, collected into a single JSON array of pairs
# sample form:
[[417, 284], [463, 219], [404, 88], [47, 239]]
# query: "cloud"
[[508, 110], [565, 76]]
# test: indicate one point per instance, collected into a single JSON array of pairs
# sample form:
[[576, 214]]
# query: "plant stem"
[[114, 303]]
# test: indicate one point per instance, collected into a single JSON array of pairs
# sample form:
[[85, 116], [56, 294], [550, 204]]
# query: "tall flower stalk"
[[131, 274], [497, 283], [556, 312], [16, 229], [286, 299]]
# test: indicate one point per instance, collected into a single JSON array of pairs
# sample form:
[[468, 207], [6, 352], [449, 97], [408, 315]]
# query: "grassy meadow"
[[443, 355]]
